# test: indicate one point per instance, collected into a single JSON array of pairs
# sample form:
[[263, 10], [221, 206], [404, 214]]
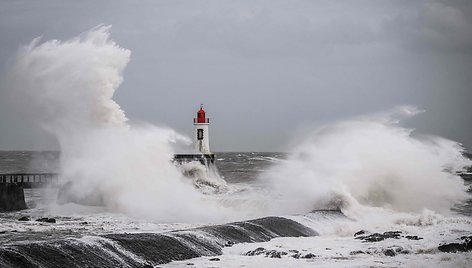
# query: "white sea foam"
[[369, 162], [206, 178]]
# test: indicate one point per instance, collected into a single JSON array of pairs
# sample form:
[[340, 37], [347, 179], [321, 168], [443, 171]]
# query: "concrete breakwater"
[[147, 249]]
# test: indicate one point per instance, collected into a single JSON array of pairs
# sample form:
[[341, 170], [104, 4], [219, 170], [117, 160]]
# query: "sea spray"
[[369, 162], [205, 177], [70, 87]]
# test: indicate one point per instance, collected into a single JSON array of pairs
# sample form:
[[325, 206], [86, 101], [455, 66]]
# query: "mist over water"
[[370, 162]]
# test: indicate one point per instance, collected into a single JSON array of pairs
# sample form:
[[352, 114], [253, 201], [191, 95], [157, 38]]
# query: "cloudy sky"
[[265, 70]]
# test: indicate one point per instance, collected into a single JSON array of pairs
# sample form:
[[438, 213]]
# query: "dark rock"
[[361, 232], [25, 218], [405, 251], [413, 237], [229, 244], [371, 238], [267, 253], [376, 237], [309, 256], [190, 263], [275, 254], [389, 252], [147, 265], [48, 220], [214, 259], [2, 232], [84, 223], [466, 245], [356, 252], [392, 234], [257, 251]]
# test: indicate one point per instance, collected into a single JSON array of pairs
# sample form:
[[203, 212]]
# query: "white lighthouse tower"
[[202, 143], [202, 139]]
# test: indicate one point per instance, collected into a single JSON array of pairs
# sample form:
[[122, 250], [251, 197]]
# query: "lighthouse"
[[202, 142], [202, 138]]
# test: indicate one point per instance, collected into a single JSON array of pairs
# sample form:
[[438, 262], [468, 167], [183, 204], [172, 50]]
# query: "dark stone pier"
[[12, 197]]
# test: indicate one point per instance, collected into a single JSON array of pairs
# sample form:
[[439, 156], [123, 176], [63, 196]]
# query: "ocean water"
[[333, 246], [75, 220]]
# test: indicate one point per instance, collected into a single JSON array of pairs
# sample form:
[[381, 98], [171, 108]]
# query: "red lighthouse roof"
[[201, 117]]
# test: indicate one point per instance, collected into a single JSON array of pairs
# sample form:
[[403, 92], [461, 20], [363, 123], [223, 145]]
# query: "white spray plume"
[[70, 85], [370, 162]]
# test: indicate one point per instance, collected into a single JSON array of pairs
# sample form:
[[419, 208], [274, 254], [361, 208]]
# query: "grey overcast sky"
[[263, 69]]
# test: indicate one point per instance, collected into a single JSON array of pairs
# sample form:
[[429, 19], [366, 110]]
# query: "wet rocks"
[[389, 252], [266, 252], [392, 234], [257, 251], [303, 256], [394, 250], [309, 256], [279, 254], [361, 232], [376, 237], [275, 254], [465, 245], [25, 218], [48, 220], [413, 237], [356, 252]]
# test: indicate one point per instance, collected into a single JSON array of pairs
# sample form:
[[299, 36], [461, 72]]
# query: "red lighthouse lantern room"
[[201, 117]]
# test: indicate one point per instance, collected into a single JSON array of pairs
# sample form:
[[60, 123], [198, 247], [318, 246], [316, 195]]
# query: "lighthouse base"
[[205, 159]]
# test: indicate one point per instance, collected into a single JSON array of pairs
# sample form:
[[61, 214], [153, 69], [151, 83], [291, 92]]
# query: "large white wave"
[[69, 86], [370, 162]]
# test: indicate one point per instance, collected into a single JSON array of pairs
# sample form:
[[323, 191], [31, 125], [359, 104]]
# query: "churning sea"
[[105, 236]]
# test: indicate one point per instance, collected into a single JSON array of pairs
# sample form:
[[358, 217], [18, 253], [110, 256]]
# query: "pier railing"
[[206, 120], [31, 180]]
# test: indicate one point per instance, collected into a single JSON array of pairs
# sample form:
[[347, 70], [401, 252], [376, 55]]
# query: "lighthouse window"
[[199, 134]]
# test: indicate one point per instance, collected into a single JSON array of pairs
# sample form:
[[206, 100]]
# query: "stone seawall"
[[12, 197]]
